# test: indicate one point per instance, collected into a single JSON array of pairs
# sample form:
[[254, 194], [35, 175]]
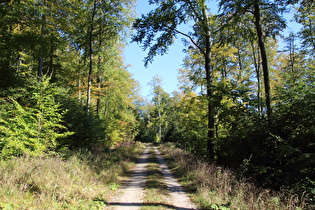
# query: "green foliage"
[[87, 129], [53, 37], [305, 16], [157, 138], [32, 128]]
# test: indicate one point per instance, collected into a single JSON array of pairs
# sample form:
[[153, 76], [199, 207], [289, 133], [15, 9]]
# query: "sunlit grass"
[[83, 180], [214, 187]]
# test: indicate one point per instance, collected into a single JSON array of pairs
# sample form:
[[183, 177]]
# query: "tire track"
[[131, 195], [179, 198]]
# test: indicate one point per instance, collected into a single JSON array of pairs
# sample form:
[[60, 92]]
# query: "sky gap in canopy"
[[166, 66]]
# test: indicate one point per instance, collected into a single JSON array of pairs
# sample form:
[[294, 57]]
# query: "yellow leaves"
[[225, 51], [227, 101], [119, 131]]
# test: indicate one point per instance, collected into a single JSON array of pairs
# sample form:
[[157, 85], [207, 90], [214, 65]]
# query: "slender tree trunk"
[[40, 64], [264, 62], [50, 69], [40, 51], [240, 64], [208, 68], [210, 144], [99, 78], [159, 115], [292, 57], [106, 107], [257, 70], [99, 86], [98, 101], [88, 101], [79, 81]]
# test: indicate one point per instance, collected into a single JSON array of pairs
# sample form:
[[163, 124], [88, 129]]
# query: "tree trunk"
[[208, 69], [50, 70], [239, 64], [257, 70], [98, 100], [264, 62], [99, 78], [40, 51], [88, 101], [159, 113], [210, 144], [40, 64], [79, 81]]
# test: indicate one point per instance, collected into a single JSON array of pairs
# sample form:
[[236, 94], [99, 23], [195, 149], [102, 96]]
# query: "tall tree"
[[164, 22], [267, 19], [306, 17], [90, 52]]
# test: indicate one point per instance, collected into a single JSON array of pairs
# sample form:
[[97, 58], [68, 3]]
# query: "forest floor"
[[137, 192]]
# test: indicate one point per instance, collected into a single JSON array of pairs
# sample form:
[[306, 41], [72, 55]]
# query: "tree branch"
[[191, 39]]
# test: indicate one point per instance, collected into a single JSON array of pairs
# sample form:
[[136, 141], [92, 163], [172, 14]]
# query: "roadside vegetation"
[[214, 187], [78, 180]]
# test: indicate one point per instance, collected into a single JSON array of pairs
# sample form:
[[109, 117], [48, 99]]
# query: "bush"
[[32, 126]]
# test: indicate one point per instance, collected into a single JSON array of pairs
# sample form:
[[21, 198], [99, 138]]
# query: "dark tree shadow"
[[122, 204]]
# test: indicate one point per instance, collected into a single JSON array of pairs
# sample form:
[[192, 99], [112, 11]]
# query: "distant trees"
[[154, 120]]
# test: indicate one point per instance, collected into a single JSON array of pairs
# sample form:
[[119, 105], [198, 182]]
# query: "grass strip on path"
[[156, 192]]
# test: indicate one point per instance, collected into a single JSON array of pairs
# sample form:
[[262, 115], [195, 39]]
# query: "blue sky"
[[165, 66]]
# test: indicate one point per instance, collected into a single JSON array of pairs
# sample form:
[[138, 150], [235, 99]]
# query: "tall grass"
[[83, 180], [213, 187]]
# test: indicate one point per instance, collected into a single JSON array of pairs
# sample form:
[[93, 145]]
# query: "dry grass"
[[213, 187], [81, 181]]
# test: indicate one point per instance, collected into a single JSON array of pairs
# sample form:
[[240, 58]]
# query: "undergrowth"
[[213, 187], [82, 180]]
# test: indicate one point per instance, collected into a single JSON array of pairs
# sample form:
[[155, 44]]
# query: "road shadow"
[[123, 204]]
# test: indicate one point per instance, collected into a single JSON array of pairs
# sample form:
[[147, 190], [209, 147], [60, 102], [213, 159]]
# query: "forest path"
[[131, 195]]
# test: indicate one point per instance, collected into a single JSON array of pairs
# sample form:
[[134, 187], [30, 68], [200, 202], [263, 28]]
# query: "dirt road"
[[131, 195]]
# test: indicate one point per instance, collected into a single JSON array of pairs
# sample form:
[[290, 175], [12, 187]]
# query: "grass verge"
[[82, 180], [213, 187], [156, 191]]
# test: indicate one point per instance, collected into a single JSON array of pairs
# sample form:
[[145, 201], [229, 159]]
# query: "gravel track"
[[131, 195]]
